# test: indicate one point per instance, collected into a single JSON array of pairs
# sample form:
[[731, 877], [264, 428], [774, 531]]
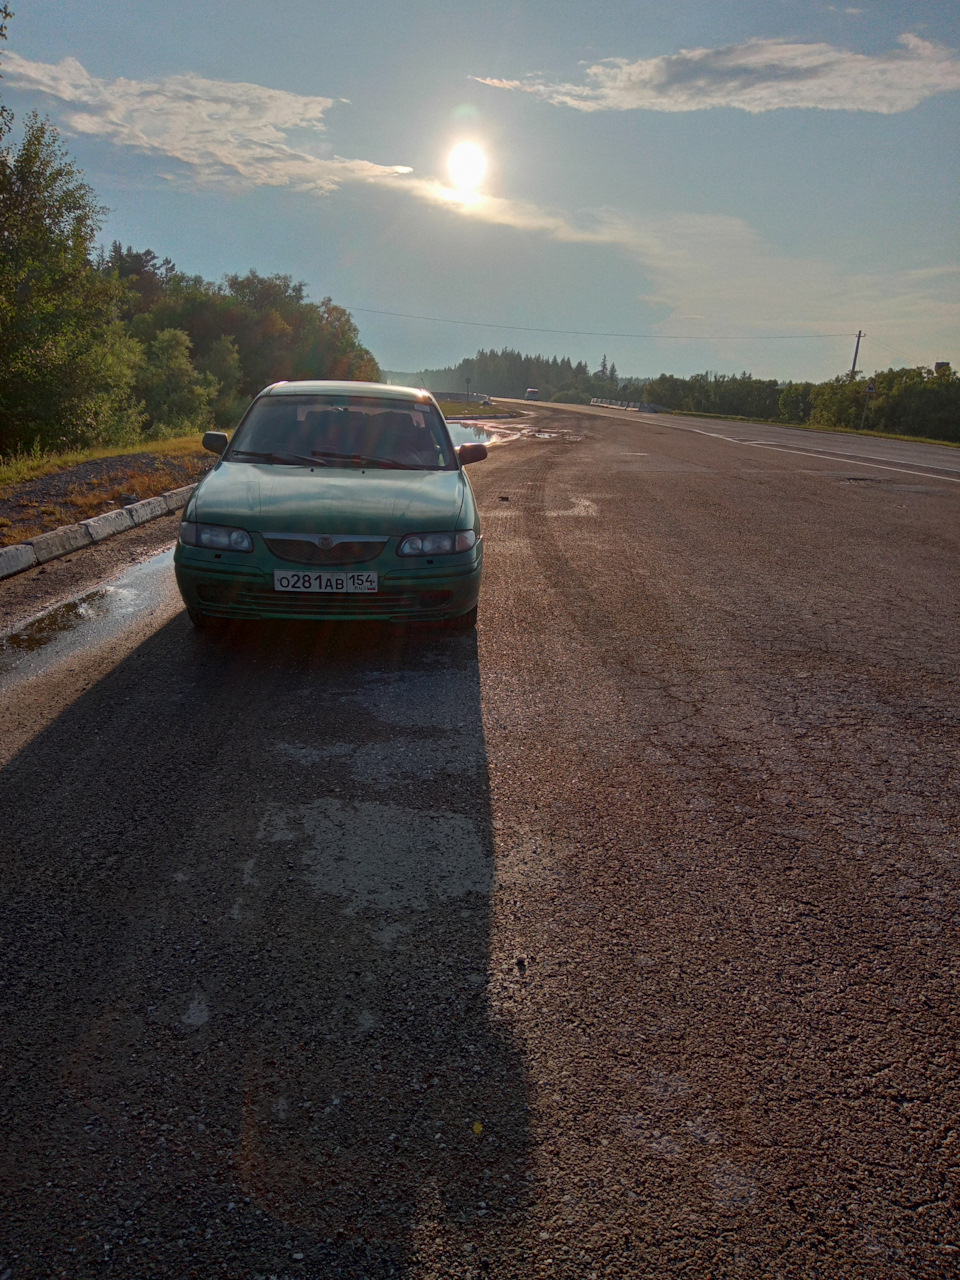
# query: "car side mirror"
[[471, 453], [215, 441]]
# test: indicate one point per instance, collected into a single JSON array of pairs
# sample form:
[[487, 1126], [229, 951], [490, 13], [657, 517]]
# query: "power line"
[[898, 354], [593, 333]]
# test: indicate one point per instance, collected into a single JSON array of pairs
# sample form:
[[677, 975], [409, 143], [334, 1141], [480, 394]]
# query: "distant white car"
[[531, 393]]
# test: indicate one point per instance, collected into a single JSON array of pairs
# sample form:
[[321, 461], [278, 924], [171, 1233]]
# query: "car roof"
[[383, 390]]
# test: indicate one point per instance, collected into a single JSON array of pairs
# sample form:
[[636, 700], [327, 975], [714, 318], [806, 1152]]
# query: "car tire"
[[466, 622]]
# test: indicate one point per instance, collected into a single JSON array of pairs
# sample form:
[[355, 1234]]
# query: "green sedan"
[[334, 500]]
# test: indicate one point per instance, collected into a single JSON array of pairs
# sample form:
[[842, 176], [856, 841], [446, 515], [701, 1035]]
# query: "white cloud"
[[715, 275], [704, 274], [224, 131], [761, 75]]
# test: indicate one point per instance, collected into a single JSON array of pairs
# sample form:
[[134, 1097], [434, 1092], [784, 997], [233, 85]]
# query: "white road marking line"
[[824, 457], [853, 462], [581, 507], [843, 457]]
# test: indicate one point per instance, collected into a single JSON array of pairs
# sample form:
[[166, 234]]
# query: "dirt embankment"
[[89, 488]]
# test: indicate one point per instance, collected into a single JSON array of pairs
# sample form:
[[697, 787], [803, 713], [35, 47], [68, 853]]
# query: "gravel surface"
[[617, 940]]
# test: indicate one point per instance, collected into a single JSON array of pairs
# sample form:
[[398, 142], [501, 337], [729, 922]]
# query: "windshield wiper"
[[362, 459], [277, 455]]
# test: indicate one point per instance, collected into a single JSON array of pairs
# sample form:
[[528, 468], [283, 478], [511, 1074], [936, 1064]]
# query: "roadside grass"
[[44, 495], [809, 426], [18, 467], [471, 409]]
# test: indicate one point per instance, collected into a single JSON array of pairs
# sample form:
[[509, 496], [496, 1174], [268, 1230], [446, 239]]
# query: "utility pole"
[[856, 352], [870, 391]]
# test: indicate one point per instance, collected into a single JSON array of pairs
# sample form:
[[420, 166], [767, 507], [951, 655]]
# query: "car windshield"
[[334, 431]]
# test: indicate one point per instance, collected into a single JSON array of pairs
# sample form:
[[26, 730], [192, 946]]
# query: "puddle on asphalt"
[[486, 432], [49, 625], [86, 619]]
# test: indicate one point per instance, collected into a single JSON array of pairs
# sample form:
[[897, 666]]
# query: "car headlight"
[[218, 537], [437, 544]]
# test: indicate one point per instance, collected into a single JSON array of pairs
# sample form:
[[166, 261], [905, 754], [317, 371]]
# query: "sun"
[[467, 165]]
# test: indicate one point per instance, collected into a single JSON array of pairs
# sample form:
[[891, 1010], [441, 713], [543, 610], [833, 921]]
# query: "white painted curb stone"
[[16, 558], [149, 509], [108, 524], [73, 537], [60, 542], [177, 499]]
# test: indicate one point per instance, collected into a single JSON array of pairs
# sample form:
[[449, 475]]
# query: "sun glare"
[[467, 165]]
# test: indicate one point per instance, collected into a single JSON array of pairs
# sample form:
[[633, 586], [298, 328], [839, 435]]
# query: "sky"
[[727, 185]]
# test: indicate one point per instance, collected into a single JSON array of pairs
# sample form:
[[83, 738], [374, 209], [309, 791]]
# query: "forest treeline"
[[508, 373], [909, 401], [109, 347]]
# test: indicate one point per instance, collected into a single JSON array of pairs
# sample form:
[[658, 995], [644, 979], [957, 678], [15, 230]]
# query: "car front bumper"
[[217, 589]]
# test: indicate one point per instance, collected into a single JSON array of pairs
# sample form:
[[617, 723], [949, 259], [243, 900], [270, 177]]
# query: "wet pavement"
[[86, 620], [486, 431]]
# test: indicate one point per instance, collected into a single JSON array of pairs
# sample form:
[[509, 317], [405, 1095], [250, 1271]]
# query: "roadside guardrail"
[[639, 406]]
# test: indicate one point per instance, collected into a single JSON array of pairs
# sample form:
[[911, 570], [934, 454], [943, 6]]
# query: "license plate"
[[323, 580]]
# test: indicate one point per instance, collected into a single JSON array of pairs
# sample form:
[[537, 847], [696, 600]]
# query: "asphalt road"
[[618, 940]]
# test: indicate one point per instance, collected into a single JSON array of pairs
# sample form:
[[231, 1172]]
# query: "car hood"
[[329, 500]]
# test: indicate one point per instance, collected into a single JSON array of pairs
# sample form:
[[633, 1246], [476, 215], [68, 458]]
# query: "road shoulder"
[[29, 593]]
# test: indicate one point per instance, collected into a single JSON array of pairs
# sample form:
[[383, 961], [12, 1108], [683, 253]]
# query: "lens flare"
[[467, 166]]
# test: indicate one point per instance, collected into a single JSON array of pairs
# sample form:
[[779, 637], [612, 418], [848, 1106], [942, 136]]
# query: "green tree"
[[143, 274], [177, 397], [509, 373], [574, 395], [63, 359], [666, 391], [917, 402], [222, 362], [278, 334], [794, 403], [838, 403], [6, 115], [911, 401]]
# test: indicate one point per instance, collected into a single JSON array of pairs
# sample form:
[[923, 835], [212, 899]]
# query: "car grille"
[[299, 551], [236, 601]]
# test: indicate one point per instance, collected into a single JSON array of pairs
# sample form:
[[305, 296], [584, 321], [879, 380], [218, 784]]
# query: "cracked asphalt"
[[620, 939]]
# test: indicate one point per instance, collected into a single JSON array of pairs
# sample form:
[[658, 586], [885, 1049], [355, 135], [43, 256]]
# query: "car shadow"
[[246, 921]]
